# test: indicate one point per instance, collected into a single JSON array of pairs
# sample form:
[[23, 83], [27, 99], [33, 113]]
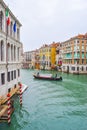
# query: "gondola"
[[47, 77]]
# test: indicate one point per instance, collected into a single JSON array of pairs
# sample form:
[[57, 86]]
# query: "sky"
[[47, 21]]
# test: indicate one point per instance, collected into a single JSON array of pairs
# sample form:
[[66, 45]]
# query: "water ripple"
[[49, 105]]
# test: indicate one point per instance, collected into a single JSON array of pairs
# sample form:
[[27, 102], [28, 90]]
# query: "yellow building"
[[37, 58], [47, 55], [53, 47]]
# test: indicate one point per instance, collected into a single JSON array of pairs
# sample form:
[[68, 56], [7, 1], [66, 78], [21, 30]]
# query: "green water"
[[51, 105]]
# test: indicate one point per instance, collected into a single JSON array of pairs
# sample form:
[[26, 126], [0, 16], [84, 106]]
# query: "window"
[[14, 74], [8, 76], [82, 61], [18, 73], [82, 68], [11, 75], [74, 41], [75, 61], [14, 53], [18, 33], [86, 68], [11, 52], [82, 55], [78, 41], [2, 78], [77, 68], [7, 30], [78, 61], [18, 54], [73, 68], [8, 52], [64, 67], [86, 47], [82, 47], [1, 20], [2, 51]]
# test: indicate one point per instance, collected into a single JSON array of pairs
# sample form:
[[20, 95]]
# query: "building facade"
[[53, 56], [27, 60], [37, 59], [45, 57], [59, 57], [10, 50], [74, 53], [31, 60]]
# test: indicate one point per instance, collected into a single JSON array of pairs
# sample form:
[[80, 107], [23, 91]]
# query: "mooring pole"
[[20, 94], [9, 108]]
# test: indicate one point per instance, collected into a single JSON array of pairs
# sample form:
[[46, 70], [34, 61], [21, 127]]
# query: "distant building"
[[59, 56], [10, 50], [27, 60], [54, 47], [37, 59], [47, 55], [31, 59], [74, 53]]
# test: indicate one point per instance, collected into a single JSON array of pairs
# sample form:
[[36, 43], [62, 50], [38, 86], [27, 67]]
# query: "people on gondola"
[[38, 74], [56, 76]]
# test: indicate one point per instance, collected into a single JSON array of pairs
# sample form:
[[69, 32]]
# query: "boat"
[[47, 77], [24, 87]]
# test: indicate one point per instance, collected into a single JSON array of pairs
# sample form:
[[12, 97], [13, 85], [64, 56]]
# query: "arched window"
[[1, 20], [82, 68], [11, 52], [2, 51], [14, 53], [18, 53], [18, 35], [8, 52]]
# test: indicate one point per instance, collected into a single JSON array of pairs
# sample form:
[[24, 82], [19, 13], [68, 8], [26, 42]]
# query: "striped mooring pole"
[[20, 94], [9, 108]]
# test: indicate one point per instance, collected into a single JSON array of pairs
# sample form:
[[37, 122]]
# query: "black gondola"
[[47, 77]]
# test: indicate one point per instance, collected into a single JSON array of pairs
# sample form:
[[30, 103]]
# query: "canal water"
[[51, 105]]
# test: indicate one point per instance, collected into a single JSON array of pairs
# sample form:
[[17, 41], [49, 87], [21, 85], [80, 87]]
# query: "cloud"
[[45, 21]]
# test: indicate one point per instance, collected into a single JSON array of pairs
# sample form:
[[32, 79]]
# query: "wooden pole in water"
[[9, 108], [20, 94]]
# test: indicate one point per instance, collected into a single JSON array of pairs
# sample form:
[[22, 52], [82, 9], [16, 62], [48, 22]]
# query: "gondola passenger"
[[38, 74]]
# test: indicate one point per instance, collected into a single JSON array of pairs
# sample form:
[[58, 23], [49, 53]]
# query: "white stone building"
[[10, 51]]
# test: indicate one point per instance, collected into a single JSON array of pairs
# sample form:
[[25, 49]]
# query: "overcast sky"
[[45, 21]]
